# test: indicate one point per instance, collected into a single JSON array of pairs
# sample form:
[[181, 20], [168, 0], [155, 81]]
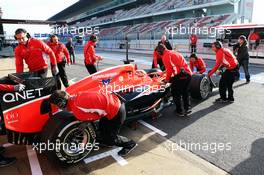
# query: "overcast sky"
[[43, 9]]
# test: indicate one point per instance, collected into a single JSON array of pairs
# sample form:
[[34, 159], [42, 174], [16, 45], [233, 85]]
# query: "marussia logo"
[[106, 82]]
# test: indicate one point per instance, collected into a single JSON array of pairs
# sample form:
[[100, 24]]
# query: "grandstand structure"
[[144, 21]]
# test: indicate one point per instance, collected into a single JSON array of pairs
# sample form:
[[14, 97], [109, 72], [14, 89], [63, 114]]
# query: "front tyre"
[[69, 140]]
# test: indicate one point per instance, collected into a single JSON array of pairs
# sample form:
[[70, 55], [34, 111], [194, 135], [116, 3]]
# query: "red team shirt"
[[60, 52], [94, 105], [225, 58], [32, 54], [89, 53], [5, 87], [174, 62], [199, 64]]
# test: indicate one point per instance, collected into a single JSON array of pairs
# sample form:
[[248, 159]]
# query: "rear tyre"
[[69, 140], [200, 87]]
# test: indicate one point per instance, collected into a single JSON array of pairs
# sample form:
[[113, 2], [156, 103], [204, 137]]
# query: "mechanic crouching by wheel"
[[6, 161], [198, 63], [60, 52], [179, 74], [31, 51], [90, 58], [93, 106], [225, 58]]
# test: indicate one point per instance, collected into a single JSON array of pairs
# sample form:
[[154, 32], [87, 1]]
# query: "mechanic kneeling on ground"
[[198, 63], [90, 58], [60, 52], [179, 74], [31, 51], [5, 161], [105, 107], [225, 58]]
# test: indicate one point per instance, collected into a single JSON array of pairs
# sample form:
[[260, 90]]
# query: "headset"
[[93, 38], [218, 44], [193, 55], [20, 30], [52, 36], [59, 101]]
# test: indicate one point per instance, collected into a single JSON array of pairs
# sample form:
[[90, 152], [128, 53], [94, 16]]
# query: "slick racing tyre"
[[67, 139], [200, 87]]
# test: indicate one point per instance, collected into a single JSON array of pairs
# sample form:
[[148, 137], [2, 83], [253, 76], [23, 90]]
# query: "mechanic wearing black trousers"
[[5, 161], [90, 58], [225, 58], [243, 56], [60, 52], [179, 74], [105, 107], [70, 47]]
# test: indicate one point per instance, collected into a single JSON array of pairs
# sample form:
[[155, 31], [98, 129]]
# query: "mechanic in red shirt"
[[225, 58], [31, 51], [179, 74], [60, 52], [157, 60], [90, 58], [193, 43], [253, 39], [6, 161], [198, 63], [92, 106]]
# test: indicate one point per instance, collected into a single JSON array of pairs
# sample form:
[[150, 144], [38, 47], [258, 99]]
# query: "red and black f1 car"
[[30, 119]]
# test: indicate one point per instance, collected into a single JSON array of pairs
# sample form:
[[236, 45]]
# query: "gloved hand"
[[54, 70], [19, 87]]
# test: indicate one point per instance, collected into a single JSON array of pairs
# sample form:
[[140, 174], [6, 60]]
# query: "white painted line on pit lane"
[[120, 160], [33, 161], [156, 130], [7, 145]]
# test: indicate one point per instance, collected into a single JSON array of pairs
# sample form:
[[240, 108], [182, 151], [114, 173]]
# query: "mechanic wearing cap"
[[225, 58], [90, 56], [198, 63], [179, 74], [60, 52], [93, 106], [31, 51], [5, 161], [243, 55]]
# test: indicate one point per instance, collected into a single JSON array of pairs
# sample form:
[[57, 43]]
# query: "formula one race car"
[[30, 119]]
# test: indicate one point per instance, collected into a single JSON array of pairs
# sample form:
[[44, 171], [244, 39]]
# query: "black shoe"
[[220, 100], [126, 150], [180, 114], [2, 150], [248, 81], [231, 100], [187, 112], [6, 161]]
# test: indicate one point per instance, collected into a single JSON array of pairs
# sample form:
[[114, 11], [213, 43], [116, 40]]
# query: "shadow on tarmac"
[[254, 164]]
